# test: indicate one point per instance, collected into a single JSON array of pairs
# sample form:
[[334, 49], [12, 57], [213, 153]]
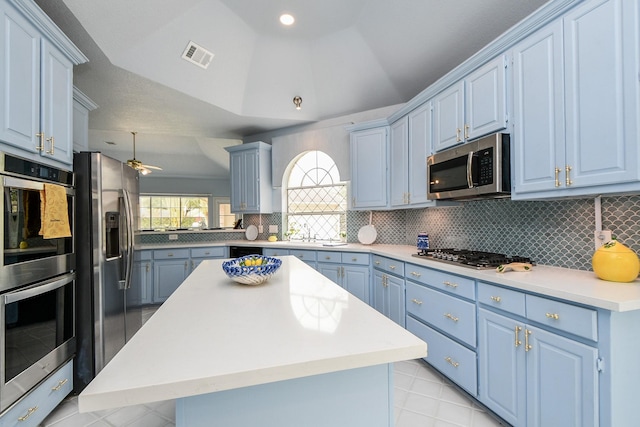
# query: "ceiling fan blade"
[[137, 164]]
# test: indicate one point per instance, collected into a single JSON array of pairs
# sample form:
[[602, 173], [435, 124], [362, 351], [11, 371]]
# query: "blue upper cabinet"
[[251, 187], [369, 173], [576, 95], [472, 107], [36, 85], [411, 142]]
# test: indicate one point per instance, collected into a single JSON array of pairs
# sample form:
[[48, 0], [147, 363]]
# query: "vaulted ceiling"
[[340, 56]]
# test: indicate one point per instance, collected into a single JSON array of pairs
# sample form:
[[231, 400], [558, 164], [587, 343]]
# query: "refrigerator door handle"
[[129, 238]]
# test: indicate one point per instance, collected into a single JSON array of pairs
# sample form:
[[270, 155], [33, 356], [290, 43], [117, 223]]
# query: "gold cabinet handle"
[[376, 262], [554, 316], [169, 254], [527, 347], [60, 384], [517, 330], [52, 140], [186, 265], [392, 267], [148, 268], [416, 301], [569, 182], [557, 177], [40, 146], [207, 253], [496, 299], [458, 135], [450, 316], [193, 265], [466, 131], [354, 259], [451, 362], [341, 271], [327, 257], [384, 280], [413, 273], [451, 285], [301, 256], [28, 414]]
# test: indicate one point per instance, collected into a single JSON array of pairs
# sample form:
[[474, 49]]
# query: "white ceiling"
[[341, 56]]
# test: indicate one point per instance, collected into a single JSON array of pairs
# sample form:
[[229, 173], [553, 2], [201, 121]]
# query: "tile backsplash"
[[558, 232]]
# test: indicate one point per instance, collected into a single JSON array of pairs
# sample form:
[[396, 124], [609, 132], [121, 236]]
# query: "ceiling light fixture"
[[287, 19], [297, 101]]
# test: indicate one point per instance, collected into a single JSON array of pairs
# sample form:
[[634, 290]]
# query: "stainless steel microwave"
[[478, 169]]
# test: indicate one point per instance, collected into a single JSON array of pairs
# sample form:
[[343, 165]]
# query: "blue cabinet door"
[[448, 117], [538, 123], [420, 147], [369, 173], [399, 157], [502, 366], [236, 167], [395, 301], [378, 297], [331, 271], [167, 276], [601, 92], [355, 279], [562, 381], [19, 80], [485, 99], [57, 104]]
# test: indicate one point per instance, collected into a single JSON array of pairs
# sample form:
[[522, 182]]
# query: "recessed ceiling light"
[[287, 19]]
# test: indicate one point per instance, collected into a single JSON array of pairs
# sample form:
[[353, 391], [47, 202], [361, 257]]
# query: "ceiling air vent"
[[198, 55]]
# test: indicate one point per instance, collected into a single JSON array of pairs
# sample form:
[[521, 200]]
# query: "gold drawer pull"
[[554, 316], [354, 259], [568, 178], [451, 285], [52, 140], [300, 256], [327, 257], [393, 267], [413, 273], [207, 253], [517, 332], [60, 384], [416, 301], [376, 262], [28, 414], [449, 316], [557, 177], [496, 299], [169, 254], [451, 362]]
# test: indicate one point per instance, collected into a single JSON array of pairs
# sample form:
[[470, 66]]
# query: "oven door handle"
[[25, 184], [38, 289], [469, 169]]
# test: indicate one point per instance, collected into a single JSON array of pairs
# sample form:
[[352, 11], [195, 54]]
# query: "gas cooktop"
[[472, 259]]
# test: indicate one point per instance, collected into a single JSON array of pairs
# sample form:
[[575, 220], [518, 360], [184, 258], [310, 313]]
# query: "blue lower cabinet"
[[34, 408], [452, 359], [533, 377]]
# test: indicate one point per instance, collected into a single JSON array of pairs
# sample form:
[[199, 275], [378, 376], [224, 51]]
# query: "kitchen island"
[[296, 350]]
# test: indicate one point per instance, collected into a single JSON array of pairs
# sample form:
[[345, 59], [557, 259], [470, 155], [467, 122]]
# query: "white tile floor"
[[423, 398]]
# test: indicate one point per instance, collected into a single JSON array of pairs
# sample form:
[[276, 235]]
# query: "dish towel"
[[54, 212]]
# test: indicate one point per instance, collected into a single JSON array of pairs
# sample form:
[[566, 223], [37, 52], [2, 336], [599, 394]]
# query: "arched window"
[[316, 199]]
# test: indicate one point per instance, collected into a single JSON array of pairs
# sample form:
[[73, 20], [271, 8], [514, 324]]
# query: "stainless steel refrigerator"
[[108, 295]]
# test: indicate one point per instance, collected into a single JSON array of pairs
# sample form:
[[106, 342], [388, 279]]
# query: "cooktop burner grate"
[[474, 259]]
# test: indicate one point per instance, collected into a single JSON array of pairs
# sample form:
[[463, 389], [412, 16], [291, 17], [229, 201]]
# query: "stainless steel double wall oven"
[[37, 280]]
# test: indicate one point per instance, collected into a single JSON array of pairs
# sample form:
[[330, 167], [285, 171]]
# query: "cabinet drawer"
[[329, 256], [565, 317], [451, 283], [275, 252], [304, 255], [452, 359], [44, 398], [170, 253], [389, 265], [501, 298], [142, 255], [447, 313], [210, 252], [355, 258]]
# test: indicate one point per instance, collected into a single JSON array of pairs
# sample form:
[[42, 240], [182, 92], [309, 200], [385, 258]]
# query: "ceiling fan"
[[137, 164]]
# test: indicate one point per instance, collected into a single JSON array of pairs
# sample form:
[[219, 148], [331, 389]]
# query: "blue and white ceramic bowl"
[[251, 269]]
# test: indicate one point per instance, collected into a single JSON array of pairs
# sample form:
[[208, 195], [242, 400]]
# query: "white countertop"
[[577, 286], [213, 334]]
